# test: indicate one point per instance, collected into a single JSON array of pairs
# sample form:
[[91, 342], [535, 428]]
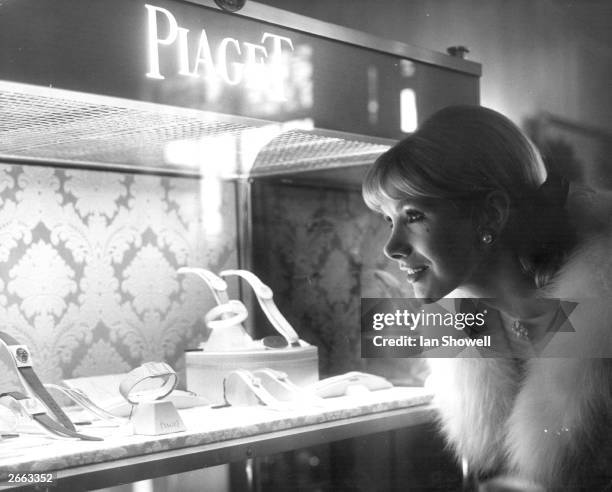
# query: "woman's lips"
[[413, 274]]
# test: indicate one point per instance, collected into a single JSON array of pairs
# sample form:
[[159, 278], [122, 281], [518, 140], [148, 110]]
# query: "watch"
[[265, 297], [226, 315], [23, 362], [32, 404], [148, 382]]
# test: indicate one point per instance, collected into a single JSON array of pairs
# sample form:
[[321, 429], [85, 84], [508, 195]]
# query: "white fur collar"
[[546, 418]]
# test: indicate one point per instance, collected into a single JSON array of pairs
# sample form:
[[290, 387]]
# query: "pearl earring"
[[486, 237]]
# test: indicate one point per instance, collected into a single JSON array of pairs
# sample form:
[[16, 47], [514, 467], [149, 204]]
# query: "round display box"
[[205, 371]]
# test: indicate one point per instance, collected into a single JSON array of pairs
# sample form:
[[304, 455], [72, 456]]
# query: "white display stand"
[[156, 418]]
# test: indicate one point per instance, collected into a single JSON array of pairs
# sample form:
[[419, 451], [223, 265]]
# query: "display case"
[[136, 138]]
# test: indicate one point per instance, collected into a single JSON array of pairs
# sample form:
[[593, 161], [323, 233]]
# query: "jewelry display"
[[148, 382], [81, 399], [145, 387], [225, 319], [35, 400], [265, 297], [229, 348]]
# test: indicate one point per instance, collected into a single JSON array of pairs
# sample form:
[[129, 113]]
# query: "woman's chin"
[[431, 293], [427, 295]]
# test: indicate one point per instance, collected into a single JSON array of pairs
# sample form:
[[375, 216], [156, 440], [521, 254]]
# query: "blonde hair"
[[461, 154]]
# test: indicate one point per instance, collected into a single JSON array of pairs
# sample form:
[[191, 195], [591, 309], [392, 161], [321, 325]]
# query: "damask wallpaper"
[[88, 264], [320, 249]]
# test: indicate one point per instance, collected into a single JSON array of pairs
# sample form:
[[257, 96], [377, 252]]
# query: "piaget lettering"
[[170, 425], [234, 61]]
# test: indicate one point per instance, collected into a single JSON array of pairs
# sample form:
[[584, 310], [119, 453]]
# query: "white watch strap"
[[226, 315], [265, 297], [241, 387], [216, 284], [138, 385]]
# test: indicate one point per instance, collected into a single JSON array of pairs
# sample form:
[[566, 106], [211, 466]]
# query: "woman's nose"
[[397, 247]]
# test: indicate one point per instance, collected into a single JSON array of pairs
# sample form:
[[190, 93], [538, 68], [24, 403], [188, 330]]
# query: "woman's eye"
[[414, 216], [389, 220]]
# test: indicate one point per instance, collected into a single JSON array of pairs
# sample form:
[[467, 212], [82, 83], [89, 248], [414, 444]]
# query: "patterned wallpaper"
[[88, 265], [320, 249]]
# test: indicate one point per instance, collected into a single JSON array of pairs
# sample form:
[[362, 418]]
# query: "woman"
[[472, 214]]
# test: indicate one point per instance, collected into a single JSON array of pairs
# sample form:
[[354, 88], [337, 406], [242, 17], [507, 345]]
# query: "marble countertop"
[[205, 425]]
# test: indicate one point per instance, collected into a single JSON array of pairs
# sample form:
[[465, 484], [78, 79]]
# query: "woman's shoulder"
[[587, 272]]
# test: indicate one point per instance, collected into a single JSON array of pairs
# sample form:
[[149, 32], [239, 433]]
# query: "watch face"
[[231, 5], [22, 355]]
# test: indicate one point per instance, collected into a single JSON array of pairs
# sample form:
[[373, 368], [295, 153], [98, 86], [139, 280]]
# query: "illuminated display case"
[[257, 107], [139, 137]]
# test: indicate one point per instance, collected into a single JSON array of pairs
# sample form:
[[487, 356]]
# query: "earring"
[[486, 237]]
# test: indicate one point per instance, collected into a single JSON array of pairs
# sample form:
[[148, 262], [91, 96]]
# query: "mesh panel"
[[58, 128], [54, 125], [304, 151]]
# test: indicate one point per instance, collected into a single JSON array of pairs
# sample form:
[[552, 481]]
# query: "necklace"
[[526, 329], [520, 330]]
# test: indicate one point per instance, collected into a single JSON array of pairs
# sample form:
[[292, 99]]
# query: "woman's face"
[[435, 245]]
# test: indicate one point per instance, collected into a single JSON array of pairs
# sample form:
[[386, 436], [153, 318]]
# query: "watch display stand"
[[156, 418]]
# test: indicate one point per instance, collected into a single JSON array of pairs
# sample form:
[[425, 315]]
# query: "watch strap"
[[144, 372], [39, 389], [30, 377], [265, 297], [81, 399], [47, 422], [242, 387], [51, 425]]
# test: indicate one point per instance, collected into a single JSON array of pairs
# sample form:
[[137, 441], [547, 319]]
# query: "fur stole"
[[544, 419]]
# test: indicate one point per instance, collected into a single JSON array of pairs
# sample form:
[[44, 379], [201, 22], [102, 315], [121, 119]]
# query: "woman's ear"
[[495, 212]]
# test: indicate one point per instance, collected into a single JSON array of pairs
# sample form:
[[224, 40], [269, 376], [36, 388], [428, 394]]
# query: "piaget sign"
[[233, 61]]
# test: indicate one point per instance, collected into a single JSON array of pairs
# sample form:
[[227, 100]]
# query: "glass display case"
[[136, 138]]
